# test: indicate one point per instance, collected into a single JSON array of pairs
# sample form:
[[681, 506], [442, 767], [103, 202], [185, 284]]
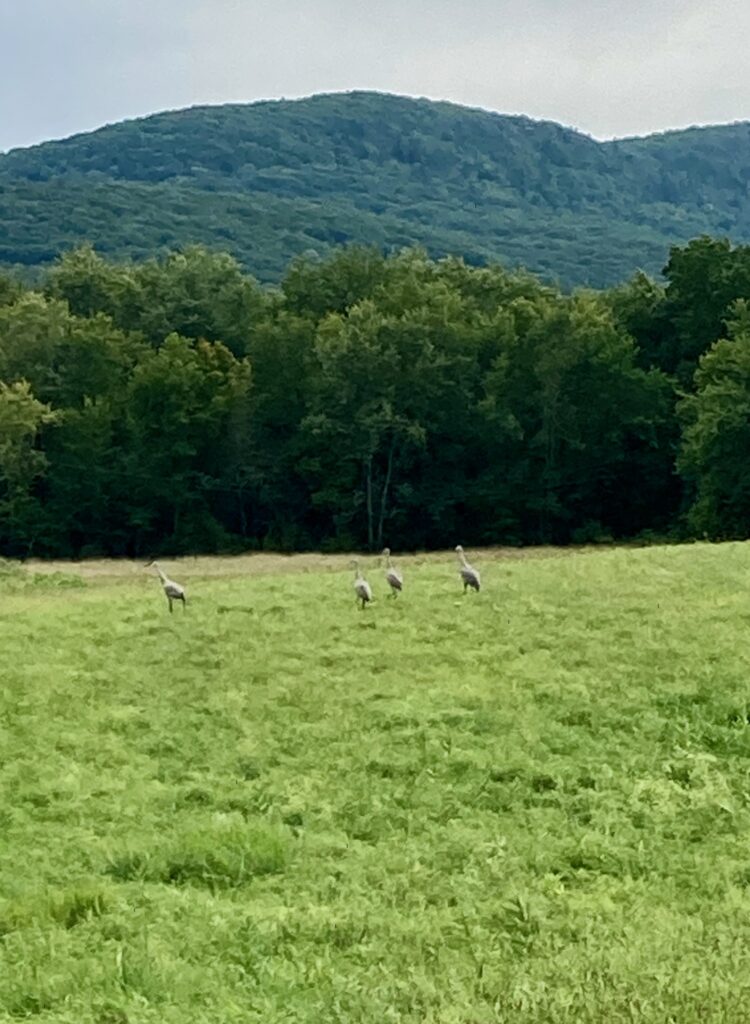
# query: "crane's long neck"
[[162, 575], [462, 559], [388, 561]]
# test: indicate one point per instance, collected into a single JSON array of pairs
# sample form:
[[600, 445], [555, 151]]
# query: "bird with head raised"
[[393, 577], [172, 591], [361, 587], [469, 575]]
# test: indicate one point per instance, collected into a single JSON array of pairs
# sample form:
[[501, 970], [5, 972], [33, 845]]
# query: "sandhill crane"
[[172, 590], [393, 576], [469, 575], [361, 586]]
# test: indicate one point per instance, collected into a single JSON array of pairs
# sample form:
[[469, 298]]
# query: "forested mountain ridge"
[[269, 180]]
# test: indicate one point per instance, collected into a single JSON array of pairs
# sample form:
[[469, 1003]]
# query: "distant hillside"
[[269, 180]]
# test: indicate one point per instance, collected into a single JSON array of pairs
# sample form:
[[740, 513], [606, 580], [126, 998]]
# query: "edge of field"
[[107, 570]]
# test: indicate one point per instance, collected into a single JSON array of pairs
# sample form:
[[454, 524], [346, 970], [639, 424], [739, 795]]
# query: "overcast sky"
[[608, 67]]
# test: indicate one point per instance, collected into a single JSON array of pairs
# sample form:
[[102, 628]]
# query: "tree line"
[[177, 406]]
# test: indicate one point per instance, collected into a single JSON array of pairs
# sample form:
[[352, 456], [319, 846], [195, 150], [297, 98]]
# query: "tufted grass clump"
[[232, 855], [66, 907], [525, 805], [13, 577], [216, 855]]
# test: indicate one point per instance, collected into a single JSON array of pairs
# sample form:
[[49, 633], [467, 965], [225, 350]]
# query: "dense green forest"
[[177, 405], [270, 181]]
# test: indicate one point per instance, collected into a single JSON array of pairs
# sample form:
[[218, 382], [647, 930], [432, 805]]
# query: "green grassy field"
[[527, 805]]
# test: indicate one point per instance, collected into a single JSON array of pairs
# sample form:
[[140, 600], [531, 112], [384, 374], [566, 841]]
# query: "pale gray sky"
[[608, 67]]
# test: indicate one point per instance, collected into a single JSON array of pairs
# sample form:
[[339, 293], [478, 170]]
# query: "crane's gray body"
[[469, 575], [172, 591], [361, 587], [393, 577]]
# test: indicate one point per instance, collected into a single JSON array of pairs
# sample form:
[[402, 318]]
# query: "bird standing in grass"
[[393, 576], [469, 575], [172, 590], [361, 587]]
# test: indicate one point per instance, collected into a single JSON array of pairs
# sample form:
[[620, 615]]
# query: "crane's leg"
[[184, 602], [169, 599]]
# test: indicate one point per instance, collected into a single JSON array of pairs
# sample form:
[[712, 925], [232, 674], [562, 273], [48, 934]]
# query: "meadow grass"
[[526, 805]]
